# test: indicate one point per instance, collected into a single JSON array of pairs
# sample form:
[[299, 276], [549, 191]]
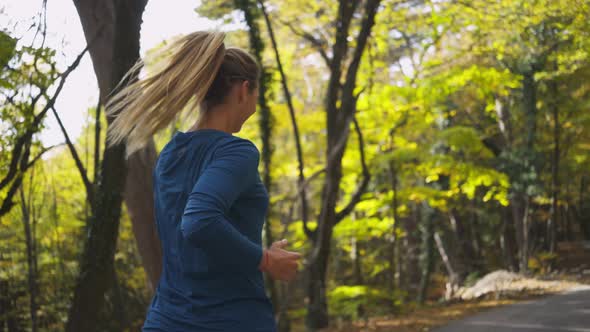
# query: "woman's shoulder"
[[231, 144]]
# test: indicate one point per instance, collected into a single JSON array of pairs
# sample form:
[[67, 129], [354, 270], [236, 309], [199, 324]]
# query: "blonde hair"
[[194, 72]]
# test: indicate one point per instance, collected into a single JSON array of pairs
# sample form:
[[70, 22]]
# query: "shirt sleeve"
[[204, 223]]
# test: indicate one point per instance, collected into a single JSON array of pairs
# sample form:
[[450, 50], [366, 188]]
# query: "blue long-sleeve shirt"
[[210, 205]]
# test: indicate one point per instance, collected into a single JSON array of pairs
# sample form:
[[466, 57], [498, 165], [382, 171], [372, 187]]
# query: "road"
[[567, 312]]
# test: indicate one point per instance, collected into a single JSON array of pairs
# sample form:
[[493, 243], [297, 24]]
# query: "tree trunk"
[[454, 280], [427, 254], [395, 258], [31, 276], [317, 308], [139, 200], [468, 259], [300, 163], [356, 261], [251, 14], [530, 107], [530, 113], [117, 25], [411, 249], [119, 310], [508, 242], [552, 223], [583, 215], [111, 60], [4, 304], [340, 112], [517, 204], [476, 240]]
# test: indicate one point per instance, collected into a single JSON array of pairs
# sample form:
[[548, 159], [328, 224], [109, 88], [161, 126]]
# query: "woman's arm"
[[204, 224]]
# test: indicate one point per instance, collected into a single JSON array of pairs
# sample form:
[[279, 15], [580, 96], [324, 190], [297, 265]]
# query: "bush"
[[354, 302]]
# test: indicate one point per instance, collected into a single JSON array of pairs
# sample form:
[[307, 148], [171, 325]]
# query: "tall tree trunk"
[[552, 224], [119, 310], [508, 241], [530, 112], [583, 215], [283, 318], [31, 276], [251, 14], [476, 240], [510, 231], [518, 214], [4, 304], [317, 314], [340, 111], [112, 57], [411, 250], [139, 200], [285, 85], [8, 307], [395, 256], [427, 254], [468, 260], [356, 260], [117, 49], [529, 95]]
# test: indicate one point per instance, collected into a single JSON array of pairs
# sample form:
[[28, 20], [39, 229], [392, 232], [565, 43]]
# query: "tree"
[[114, 52], [112, 49], [340, 106]]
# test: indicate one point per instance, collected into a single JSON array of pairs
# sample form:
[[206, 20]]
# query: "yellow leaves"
[[581, 158], [464, 179], [432, 178], [345, 301], [364, 228], [297, 238], [466, 140], [433, 196]]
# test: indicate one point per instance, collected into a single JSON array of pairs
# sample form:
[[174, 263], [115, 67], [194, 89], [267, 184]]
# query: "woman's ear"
[[244, 90]]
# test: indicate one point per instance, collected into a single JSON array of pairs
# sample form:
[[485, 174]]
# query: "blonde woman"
[[210, 202]]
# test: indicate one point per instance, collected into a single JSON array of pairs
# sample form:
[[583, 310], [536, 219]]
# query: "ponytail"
[[182, 80]]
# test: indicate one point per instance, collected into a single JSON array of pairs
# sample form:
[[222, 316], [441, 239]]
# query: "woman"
[[210, 203]]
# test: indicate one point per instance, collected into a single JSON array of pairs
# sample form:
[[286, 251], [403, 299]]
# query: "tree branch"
[[339, 49], [17, 150], [301, 179], [79, 165], [362, 186], [40, 155], [8, 203], [19, 162], [317, 43], [368, 21]]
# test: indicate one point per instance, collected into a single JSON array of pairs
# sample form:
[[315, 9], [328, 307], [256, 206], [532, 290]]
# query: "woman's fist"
[[280, 264]]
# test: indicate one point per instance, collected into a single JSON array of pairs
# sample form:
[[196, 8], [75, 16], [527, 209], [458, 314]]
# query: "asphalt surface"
[[566, 312]]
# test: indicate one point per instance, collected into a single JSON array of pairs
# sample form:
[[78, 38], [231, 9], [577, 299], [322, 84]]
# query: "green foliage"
[[349, 301], [7, 50]]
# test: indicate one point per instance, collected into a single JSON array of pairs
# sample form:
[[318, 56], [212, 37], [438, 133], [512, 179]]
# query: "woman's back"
[[207, 187]]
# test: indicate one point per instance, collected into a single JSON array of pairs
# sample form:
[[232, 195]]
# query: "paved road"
[[567, 312]]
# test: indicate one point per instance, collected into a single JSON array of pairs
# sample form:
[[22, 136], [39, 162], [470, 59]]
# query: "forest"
[[409, 148]]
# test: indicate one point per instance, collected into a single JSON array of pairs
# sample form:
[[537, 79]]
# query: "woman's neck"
[[217, 118]]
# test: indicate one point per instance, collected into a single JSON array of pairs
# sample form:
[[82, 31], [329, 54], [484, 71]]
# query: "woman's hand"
[[280, 264]]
